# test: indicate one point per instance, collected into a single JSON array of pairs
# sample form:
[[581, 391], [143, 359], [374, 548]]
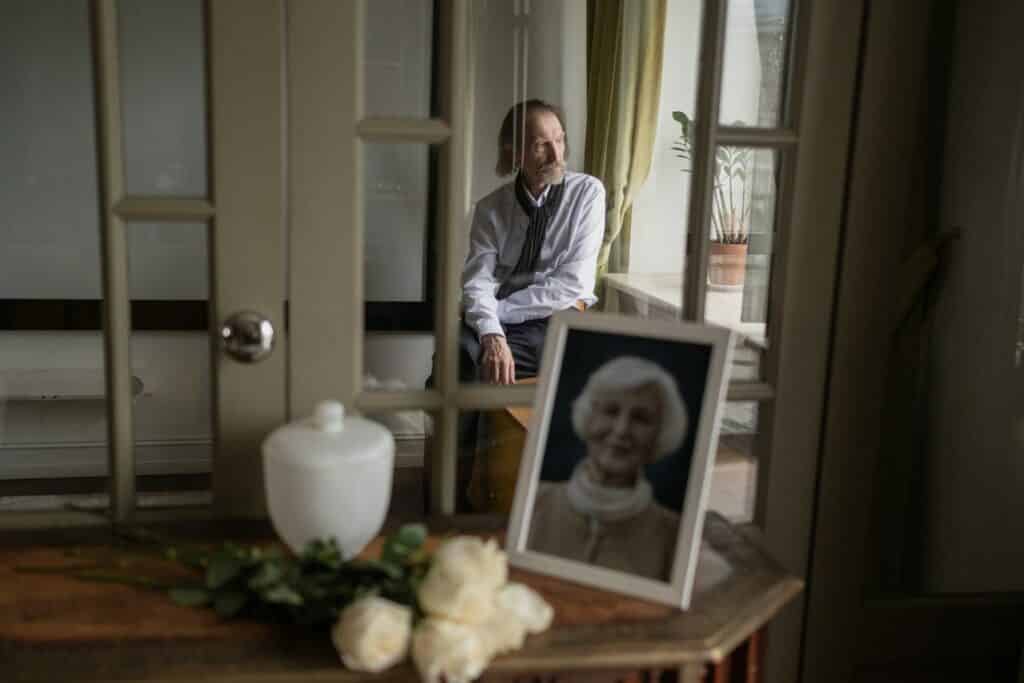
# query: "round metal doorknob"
[[247, 336]]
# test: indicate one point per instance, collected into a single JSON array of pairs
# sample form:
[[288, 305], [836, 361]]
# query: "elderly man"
[[532, 249]]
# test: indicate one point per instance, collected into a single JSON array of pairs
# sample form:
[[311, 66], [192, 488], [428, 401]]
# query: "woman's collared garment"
[[637, 537], [565, 268]]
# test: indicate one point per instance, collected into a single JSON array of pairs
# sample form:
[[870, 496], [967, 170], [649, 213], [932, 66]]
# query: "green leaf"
[[190, 597], [686, 125], [413, 535], [403, 543], [230, 603], [268, 574], [386, 567], [223, 567], [283, 594], [323, 552], [312, 591]]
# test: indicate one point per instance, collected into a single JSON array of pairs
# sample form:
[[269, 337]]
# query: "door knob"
[[247, 336]]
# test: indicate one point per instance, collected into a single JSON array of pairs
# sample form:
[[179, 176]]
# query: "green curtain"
[[624, 57]]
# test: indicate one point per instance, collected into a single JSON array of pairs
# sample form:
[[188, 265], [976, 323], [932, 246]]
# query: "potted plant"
[[730, 215]]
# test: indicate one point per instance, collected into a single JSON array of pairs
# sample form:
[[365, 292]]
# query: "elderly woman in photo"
[[628, 415]]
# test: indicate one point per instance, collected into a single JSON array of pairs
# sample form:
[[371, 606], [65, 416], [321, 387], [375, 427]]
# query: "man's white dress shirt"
[[566, 267]]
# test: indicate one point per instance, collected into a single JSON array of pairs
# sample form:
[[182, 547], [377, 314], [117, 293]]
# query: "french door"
[[148, 175]]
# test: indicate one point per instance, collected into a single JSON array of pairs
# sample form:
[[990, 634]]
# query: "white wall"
[[661, 206], [975, 468]]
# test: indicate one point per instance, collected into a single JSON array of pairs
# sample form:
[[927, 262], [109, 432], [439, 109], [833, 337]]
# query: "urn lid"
[[328, 437]]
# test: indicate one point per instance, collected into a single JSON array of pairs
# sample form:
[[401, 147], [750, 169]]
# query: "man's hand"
[[496, 363]]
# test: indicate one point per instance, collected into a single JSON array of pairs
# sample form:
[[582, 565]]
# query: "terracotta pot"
[[727, 264]]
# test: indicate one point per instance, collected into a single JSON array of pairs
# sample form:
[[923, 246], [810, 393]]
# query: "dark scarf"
[[521, 276]]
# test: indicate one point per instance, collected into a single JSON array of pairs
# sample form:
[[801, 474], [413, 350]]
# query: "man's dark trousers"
[[526, 342]]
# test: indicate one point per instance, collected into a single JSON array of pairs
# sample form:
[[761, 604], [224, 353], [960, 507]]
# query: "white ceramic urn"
[[329, 475]]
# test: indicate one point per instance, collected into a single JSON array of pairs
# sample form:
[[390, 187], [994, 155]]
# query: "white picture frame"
[[576, 347]]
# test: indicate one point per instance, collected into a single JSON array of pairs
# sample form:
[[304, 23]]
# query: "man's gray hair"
[[513, 133], [632, 372]]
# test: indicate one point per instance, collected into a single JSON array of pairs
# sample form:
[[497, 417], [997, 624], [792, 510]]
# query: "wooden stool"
[[486, 481], [492, 485]]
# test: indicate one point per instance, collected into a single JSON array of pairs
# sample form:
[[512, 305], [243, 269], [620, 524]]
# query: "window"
[[745, 202]]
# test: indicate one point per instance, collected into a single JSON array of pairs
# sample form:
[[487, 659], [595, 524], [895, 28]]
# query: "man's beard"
[[552, 174]]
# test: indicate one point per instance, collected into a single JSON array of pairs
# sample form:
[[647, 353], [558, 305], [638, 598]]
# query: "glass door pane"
[[755, 66], [169, 269], [164, 113], [399, 195], [398, 60], [163, 91], [743, 227], [53, 422]]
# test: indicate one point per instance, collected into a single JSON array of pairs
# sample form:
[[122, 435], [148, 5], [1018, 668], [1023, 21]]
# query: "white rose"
[[373, 634], [518, 609], [449, 649], [464, 576], [503, 632], [472, 559], [526, 605], [449, 597]]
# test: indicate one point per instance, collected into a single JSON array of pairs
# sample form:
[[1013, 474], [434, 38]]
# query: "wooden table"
[[54, 628]]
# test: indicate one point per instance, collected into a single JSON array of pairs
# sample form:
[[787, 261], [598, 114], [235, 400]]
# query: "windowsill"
[[660, 295]]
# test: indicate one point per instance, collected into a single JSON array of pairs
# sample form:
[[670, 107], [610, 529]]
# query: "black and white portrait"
[[628, 415], [612, 464]]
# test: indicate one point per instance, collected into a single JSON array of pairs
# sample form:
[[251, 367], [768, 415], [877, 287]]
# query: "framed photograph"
[[615, 475]]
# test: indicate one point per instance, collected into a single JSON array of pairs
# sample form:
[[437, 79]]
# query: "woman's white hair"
[[632, 372]]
